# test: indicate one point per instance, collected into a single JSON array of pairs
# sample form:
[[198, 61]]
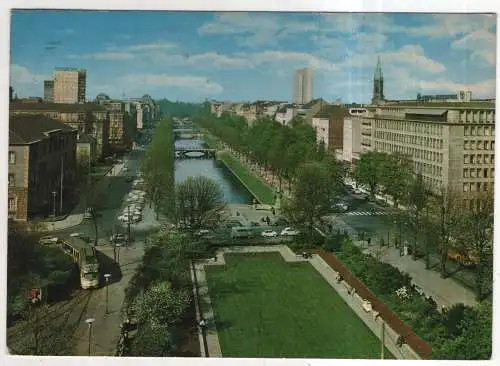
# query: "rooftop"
[[69, 69], [55, 107], [28, 128], [328, 110], [420, 104], [313, 102]]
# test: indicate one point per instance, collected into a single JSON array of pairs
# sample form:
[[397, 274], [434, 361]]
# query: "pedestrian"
[[369, 240], [274, 211], [114, 253]]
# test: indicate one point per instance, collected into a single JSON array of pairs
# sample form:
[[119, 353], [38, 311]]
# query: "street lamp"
[[118, 245], [90, 322], [106, 277], [54, 203]]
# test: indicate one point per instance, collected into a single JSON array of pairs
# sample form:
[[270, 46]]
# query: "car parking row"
[[133, 205]]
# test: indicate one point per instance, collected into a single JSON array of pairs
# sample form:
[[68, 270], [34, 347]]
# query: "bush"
[[334, 242]]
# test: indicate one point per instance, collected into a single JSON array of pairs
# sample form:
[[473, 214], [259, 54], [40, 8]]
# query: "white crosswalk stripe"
[[365, 213]]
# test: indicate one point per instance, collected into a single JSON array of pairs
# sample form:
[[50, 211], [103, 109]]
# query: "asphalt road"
[[109, 204]]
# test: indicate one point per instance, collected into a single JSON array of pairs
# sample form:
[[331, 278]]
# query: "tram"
[[85, 256]]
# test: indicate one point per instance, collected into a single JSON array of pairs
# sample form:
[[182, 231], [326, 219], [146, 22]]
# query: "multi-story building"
[[69, 85], [92, 119], [42, 166], [351, 147], [451, 144], [302, 86], [307, 111], [122, 127], [285, 114], [48, 91], [329, 126]]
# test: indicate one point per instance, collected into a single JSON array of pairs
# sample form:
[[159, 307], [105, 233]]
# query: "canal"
[[232, 189]]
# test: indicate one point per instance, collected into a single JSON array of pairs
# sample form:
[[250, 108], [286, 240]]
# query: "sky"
[[192, 56]]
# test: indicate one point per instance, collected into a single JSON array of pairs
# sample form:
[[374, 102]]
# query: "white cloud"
[[194, 83], [410, 55], [130, 52], [481, 43], [150, 46], [298, 59], [370, 42], [451, 25], [22, 75]]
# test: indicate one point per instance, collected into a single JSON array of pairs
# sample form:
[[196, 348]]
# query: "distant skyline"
[[251, 56]]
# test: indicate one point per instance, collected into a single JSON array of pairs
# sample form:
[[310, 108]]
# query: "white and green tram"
[[85, 256]]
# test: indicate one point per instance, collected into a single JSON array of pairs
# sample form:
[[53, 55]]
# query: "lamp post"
[[54, 193], [90, 322], [118, 245], [128, 225], [106, 277]]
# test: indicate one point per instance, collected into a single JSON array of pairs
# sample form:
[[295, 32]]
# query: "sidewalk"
[[444, 291], [76, 216]]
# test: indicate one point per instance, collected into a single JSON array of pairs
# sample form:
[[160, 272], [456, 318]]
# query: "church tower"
[[378, 84]]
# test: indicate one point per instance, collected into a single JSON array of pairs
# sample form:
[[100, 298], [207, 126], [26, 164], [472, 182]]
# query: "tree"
[[369, 170], [396, 172], [160, 305], [472, 338], [312, 195], [447, 211], [477, 233], [417, 200], [199, 203]]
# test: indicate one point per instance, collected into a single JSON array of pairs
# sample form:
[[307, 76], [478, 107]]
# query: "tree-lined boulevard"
[[156, 292]]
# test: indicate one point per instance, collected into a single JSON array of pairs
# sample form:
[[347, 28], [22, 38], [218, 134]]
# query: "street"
[[68, 317]]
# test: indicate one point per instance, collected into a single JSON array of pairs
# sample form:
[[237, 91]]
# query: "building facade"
[[42, 166], [351, 148], [451, 144], [92, 119], [302, 86], [329, 124], [48, 91], [70, 85]]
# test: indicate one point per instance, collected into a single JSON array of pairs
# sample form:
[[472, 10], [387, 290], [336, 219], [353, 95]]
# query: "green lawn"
[[264, 193], [266, 307]]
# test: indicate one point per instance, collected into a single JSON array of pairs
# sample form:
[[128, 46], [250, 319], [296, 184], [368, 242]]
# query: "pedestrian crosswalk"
[[365, 213]]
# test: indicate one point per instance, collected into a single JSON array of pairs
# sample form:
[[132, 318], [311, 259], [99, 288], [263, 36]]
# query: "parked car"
[[129, 179], [269, 233], [117, 238], [47, 240], [202, 232], [340, 207], [288, 231], [241, 232]]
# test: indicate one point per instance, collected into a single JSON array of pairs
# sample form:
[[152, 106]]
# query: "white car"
[[269, 233], [202, 232], [75, 235], [288, 231], [118, 238], [45, 240]]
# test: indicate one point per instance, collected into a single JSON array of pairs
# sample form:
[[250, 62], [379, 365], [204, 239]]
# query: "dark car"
[[129, 179]]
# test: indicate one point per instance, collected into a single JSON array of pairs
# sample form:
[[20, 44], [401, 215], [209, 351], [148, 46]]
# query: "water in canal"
[[233, 191]]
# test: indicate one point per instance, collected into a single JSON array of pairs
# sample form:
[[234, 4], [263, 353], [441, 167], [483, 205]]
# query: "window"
[[485, 172], [466, 187], [466, 159], [466, 145], [12, 157], [12, 204], [12, 180], [466, 173], [473, 173]]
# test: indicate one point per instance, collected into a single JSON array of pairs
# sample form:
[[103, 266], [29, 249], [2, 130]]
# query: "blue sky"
[[250, 56]]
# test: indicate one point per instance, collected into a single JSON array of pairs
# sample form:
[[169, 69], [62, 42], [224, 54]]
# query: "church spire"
[[378, 83], [378, 71]]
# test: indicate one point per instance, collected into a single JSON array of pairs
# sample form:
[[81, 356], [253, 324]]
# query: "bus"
[[85, 257]]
